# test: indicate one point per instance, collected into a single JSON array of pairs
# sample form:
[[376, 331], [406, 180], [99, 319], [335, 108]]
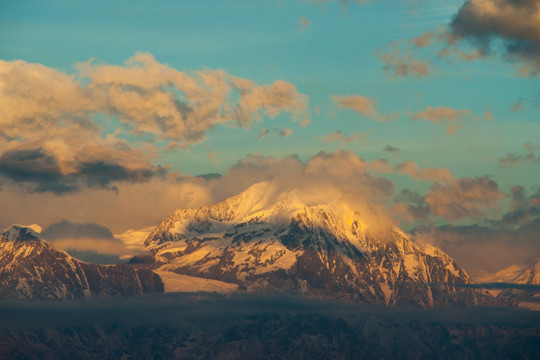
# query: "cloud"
[[264, 133], [464, 198], [342, 175], [212, 156], [338, 136], [304, 23], [488, 116], [87, 241], [517, 106], [35, 98], [60, 167], [410, 206], [136, 205], [410, 168], [391, 150], [52, 140], [448, 197], [181, 107], [515, 23], [515, 160], [508, 29], [483, 250], [280, 132], [339, 175], [443, 115], [285, 132], [399, 63], [524, 210], [68, 229], [491, 245], [362, 105], [423, 40]]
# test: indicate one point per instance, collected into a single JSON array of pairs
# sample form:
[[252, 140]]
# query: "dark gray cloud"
[[87, 241], [34, 167], [41, 171], [514, 160], [514, 22], [286, 132], [509, 29], [391, 150], [210, 176], [68, 229], [415, 204], [525, 210]]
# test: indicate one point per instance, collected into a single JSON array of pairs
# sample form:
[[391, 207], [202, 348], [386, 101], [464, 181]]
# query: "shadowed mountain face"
[[262, 327], [262, 239], [30, 269]]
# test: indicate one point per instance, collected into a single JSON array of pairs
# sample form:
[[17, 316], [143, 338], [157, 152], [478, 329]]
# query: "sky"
[[113, 114]]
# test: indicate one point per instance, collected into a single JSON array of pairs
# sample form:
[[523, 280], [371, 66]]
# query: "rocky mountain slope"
[[30, 269], [266, 239]]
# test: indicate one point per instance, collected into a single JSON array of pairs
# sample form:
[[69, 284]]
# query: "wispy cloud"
[[286, 132], [448, 116], [339, 137], [515, 160], [400, 63], [391, 150], [304, 23], [362, 105]]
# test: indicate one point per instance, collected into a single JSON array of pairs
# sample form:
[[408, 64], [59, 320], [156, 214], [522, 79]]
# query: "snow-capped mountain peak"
[[309, 242], [21, 233]]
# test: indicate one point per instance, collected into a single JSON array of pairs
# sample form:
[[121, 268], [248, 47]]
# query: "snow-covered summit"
[[265, 205], [21, 233]]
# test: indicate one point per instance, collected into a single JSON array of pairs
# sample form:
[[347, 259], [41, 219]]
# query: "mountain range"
[[263, 239]]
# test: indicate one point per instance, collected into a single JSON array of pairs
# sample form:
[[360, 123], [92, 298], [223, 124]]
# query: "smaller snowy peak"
[[530, 275], [20, 233], [517, 274], [134, 239]]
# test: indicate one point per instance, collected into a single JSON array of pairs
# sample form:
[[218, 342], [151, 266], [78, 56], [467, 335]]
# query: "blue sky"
[[332, 53]]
